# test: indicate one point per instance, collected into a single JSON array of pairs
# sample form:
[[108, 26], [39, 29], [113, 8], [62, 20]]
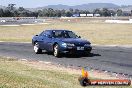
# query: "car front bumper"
[[75, 50]]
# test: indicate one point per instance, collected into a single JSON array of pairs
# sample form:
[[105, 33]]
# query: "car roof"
[[56, 30]]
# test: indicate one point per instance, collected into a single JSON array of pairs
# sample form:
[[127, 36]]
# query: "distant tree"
[[11, 11], [105, 12], [45, 13], [57, 13], [81, 11], [119, 12], [63, 12], [97, 11], [71, 10], [112, 13], [51, 12], [68, 14], [35, 14], [40, 13], [21, 9], [1, 12], [86, 11], [16, 13], [11, 7], [26, 13], [76, 11], [7, 13], [131, 12]]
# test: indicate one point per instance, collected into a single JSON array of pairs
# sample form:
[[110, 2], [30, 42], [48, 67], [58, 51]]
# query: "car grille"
[[79, 44]]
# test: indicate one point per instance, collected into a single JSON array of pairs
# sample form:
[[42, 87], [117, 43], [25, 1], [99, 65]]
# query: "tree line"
[[12, 11]]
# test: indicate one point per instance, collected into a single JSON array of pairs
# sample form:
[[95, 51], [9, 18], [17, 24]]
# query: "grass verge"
[[14, 74], [97, 32]]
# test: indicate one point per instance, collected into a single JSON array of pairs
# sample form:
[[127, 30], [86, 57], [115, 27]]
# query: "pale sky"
[[40, 3]]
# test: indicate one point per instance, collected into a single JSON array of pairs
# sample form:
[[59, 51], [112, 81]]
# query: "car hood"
[[74, 40]]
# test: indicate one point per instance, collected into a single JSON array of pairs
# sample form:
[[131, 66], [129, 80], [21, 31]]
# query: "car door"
[[41, 40], [48, 41]]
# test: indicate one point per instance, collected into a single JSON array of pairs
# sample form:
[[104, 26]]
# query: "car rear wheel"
[[37, 50], [56, 51]]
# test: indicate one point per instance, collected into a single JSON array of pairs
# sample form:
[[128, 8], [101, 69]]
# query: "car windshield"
[[64, 34]]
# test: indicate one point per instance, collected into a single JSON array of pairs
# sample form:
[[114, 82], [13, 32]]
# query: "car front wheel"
[[37, 50], [56, 51]]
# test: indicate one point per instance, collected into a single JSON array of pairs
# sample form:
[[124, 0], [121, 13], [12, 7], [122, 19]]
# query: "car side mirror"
[[49, 36], [79, 36]]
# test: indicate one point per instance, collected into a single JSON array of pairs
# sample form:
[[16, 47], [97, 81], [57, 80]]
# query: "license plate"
[[80, 48]]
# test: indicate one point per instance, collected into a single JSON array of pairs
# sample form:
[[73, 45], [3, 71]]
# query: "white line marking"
[[45, 62], [28, 24], [10, 25], [23, 59]]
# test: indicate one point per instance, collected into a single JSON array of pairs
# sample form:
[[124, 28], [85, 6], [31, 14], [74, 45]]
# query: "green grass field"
[[96, 32], [14, 74]]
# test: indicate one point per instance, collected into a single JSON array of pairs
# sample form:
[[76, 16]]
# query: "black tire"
[[85, 82], [56, 50], [88, 53], [37, 50]]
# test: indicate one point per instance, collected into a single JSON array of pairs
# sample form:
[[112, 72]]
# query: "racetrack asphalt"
[[114, 59]]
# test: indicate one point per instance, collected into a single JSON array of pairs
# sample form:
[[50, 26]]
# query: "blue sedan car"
[[60, 41]]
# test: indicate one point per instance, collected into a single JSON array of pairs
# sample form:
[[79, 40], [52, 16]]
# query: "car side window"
[[46, 33], [57, 34], [42, 34]]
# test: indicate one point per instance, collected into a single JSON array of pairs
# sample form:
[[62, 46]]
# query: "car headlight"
[[64, 44], [70, 44], [87, 45], [67, 44]]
